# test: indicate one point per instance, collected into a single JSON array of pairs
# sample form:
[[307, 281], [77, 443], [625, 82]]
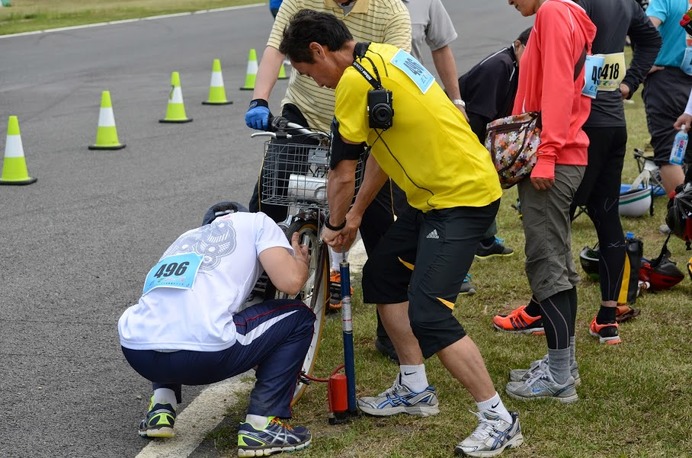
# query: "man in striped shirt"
[[307, 104], [381, 21]]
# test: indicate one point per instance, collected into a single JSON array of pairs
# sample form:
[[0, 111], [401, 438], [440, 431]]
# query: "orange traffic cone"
[[14, 170], [217, 92], [251, 73], [175, 112], [106, 134]]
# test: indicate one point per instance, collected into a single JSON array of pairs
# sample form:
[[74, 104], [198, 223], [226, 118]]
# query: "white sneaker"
[[521, 375], [491, 436], [542, 386], [400, 399]]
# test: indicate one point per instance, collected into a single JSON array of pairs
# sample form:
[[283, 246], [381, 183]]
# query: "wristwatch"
[[459, 102]]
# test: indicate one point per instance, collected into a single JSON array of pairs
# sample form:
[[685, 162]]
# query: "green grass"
[[31, 15], [635, 398]]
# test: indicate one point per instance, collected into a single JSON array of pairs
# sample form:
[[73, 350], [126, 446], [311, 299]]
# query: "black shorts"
[[387, 205], [665, 97], [441, 245]]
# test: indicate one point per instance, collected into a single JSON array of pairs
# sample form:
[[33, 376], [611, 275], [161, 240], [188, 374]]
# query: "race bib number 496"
[[178, 271]]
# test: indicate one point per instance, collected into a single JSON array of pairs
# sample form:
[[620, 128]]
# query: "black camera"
[[380, 111]]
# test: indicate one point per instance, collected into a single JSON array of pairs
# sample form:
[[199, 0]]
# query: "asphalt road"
[[76, 245]]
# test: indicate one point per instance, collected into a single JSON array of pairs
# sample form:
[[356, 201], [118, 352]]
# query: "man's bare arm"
[[267, 73], [287, 272]]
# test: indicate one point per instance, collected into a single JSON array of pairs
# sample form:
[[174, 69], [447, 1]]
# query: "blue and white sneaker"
[[400, 399], [491, 436], [276, 437]]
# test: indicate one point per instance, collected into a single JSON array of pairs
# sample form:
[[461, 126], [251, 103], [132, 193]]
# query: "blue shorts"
[[273, 336]]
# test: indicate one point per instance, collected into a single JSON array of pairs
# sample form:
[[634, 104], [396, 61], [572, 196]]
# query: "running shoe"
[[496, 249], [467, 288], [520, 322], [276, 437], [159, 421], [521, 375], [624, 313], [542, 386], [491, 436], [607, 333], [335, 290], [401, 399]]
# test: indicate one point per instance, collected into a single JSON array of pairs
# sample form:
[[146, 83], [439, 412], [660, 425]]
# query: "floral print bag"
[[513, 142]]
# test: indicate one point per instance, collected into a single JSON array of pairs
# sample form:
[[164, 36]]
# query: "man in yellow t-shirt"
[[386, 99]]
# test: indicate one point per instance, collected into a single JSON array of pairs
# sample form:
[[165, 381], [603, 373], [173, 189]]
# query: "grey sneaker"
[[467, 288], [542, 386], [521, 375], [400, 399], [491, 436], [496, 249]]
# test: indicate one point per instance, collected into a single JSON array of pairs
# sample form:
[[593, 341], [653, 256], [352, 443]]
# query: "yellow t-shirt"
[[381, 21], [430, 150]]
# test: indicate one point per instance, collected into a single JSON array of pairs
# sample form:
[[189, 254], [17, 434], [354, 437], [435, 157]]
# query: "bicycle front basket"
[[294, 173]]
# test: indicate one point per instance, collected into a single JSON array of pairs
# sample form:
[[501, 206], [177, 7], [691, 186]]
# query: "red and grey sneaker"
[[520, 322], [624, 312], [606, 333]]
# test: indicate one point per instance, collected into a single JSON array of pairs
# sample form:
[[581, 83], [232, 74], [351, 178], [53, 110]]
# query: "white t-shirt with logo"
[[200, 317]]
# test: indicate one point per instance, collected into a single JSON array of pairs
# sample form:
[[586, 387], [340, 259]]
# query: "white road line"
[[124, 21], [199, 418]]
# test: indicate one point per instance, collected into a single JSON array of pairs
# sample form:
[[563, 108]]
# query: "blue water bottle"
[[677, 154]]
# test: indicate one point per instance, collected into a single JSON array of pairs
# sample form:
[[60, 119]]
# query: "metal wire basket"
[[296, 174]]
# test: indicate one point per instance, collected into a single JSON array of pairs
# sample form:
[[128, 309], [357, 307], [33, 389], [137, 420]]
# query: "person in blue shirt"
[[667, 87]]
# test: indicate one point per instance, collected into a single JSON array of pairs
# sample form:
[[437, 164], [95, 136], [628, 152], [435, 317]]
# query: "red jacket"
[[561, 32]]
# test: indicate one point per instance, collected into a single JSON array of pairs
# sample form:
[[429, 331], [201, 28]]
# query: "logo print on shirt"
[[213, 241]]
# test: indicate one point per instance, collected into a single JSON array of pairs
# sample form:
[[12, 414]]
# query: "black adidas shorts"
[[441, 244]]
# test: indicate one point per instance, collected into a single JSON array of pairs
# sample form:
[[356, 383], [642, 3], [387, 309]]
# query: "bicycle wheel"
[[315, 292]]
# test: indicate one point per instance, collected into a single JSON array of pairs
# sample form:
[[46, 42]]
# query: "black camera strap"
[[359, 53]]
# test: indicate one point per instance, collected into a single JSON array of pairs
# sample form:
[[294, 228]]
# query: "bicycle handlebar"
[[281, 127]]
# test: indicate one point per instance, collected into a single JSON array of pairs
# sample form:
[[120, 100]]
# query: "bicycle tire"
[[315, 292]]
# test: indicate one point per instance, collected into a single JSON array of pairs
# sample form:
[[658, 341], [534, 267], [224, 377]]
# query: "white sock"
[[495, 405], [414, 377], [336, 259], [257, 421], [165, 396]]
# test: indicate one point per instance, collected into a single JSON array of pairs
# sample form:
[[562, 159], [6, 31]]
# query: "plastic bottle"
[[677, 153], [635, 252]]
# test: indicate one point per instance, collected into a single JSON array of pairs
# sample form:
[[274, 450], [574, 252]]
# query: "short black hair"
[[309, 26], [524, 36]]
